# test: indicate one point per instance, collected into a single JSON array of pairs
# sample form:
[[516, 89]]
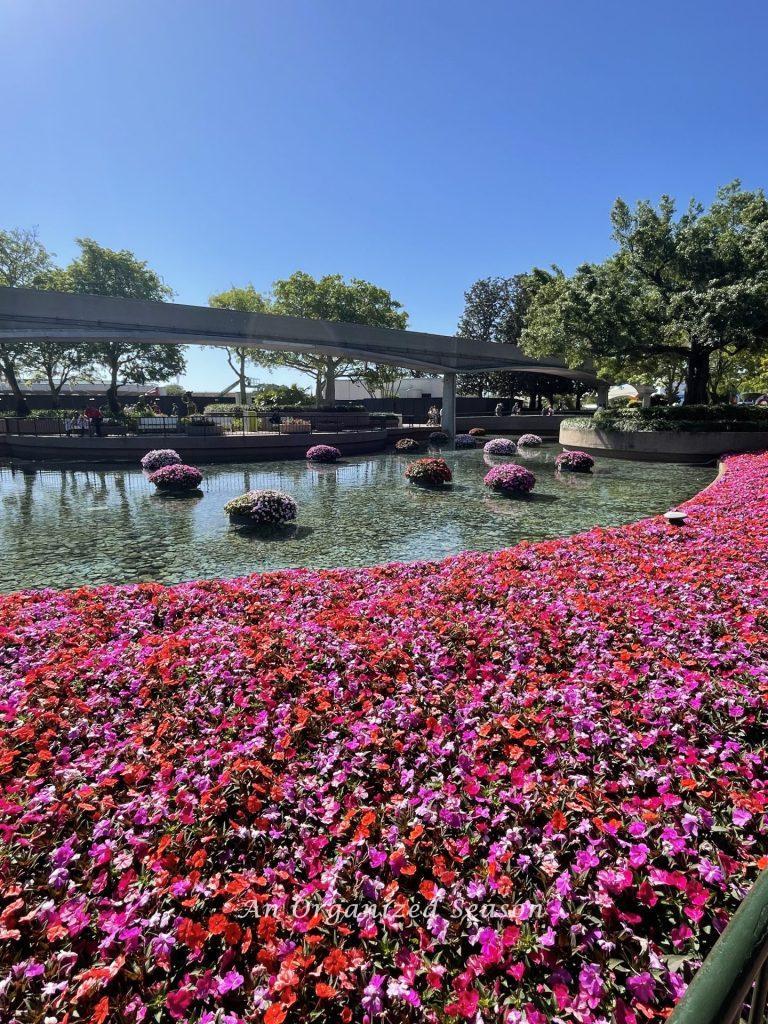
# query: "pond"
[[67, 527]]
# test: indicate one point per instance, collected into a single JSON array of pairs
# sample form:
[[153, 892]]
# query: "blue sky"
[[418, 143]]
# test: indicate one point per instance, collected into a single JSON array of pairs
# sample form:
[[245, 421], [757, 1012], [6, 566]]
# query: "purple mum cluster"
[[158, 458], [529, 441], [574, 462], [323, 453], [510, 479], [500, 446], [176, 477]]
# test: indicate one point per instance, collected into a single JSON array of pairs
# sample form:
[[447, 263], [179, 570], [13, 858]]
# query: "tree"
[[101, 271], [57, 364], [378, 379], [331, 298], [276, 395], [247, 300], [682, 288], [494, 310], [23, 262]]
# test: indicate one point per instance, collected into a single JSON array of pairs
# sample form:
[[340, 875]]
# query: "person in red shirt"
[[95, 416]]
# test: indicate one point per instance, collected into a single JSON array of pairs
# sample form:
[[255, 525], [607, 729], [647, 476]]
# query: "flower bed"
[[529, 440], [323, 453], [500, 446], [176, 478], [282, 798], [262, 508], [429, 472], [510, 479], [158, 458], [574, 462], [406, 444], [464, 441]]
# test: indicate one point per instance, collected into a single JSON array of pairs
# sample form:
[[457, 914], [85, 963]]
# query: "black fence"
[[208, 425]]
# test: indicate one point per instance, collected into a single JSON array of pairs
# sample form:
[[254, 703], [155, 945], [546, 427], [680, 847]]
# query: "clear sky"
[[418, 143]]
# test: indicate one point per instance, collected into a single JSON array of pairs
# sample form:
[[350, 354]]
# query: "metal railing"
[[198, 425], [732, 983]]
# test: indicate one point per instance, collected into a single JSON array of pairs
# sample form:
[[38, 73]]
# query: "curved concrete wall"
[[663, 445], [192, 449]]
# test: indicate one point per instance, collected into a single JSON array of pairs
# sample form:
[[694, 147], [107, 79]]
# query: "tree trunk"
[[318, 389], [54, 392], [8, 371], [697, 376], [330, 380], [114, 405], [243, 395]]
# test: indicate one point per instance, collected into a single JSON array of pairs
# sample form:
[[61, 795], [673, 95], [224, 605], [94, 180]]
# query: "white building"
[[407, 387]]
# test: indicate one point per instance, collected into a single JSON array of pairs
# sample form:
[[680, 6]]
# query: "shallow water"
[[67, 527]]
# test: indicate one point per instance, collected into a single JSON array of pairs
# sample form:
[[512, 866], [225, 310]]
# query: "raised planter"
[[662, 445]]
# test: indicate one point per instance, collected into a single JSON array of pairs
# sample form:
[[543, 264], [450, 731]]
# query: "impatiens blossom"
[[500, 446], [323, 453], [159, 457], [520, 787]]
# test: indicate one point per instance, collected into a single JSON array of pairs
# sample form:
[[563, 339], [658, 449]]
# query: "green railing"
[[732, 983]]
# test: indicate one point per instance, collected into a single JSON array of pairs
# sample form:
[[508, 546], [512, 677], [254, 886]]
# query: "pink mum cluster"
[[574, 462], [176, 477], [510, 787], [510, 479], [158, 458], [323, 453]]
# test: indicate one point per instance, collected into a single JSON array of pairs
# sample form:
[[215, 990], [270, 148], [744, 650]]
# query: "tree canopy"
[[678, 291], [246, 300]]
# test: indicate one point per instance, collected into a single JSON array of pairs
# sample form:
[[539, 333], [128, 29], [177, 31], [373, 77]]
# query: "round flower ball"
[[323, 453], [177, 477], [438, 437], [510, 480], [574, 462], [262, 508], [158, 458], [478, 432], [464, 441], [500, 446], [429, 472], [528, 441], [406, 444]]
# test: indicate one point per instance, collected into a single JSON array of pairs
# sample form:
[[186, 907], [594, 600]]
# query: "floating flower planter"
[[429, 472], [478, 432], [406, 444], [323, 453], [529, 441], [262, 508], [574, 462], [438, 437], [464, 441], [500, 446], [158, 458], [176, 479], [511, 480]]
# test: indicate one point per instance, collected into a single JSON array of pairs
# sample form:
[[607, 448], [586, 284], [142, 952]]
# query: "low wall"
[[545, 426], [663, 445], [194, 450]]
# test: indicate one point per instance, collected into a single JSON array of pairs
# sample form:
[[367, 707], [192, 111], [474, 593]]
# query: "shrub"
[[429, 472], [574, 462], [160, 457], [406, 444], [500, 446], [529, 440], [263, 508], [465, 441], [510, 479], [438, 437], [323, 453], [478, 431], [176, 477], [682, 417]]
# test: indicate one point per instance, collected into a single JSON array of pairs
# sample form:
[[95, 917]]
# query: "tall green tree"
[[681, 288], [246, 300], [101, 271], [24, 261], [331, 298], [495, 309]]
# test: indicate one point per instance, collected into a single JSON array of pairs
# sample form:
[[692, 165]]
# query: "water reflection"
[[66, 527]]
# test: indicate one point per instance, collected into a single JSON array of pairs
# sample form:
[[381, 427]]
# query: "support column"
[[448, 415], [602, 394]]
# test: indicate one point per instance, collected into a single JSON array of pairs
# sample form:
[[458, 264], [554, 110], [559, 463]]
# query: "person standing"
[[95, 417]]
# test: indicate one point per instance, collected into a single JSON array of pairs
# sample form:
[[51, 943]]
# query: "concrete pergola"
[[30, 315]]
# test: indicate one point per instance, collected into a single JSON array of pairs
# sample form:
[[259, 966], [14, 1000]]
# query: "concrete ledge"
[[664, 445], [195, 450]]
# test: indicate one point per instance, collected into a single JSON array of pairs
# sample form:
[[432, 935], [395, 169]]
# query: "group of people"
[[88, 421]]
